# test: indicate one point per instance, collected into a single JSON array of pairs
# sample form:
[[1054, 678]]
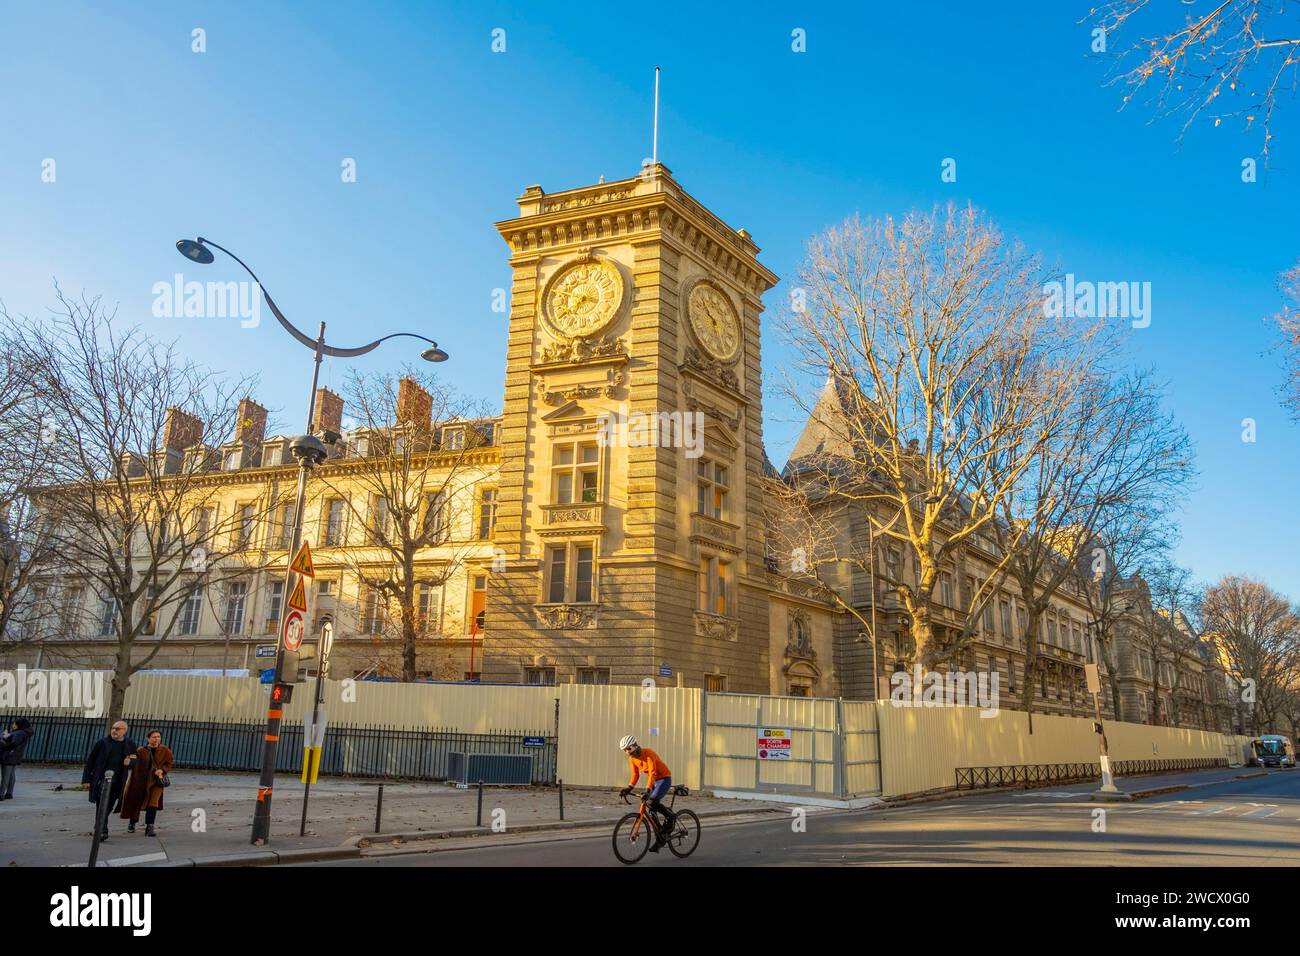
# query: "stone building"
[[613, 524]]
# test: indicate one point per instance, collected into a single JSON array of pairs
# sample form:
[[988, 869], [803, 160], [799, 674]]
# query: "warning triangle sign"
[[298, 599], [302, 563]]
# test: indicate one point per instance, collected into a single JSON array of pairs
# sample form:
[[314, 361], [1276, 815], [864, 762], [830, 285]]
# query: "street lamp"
[[310, 451]]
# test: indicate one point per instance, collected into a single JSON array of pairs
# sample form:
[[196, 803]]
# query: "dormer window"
[[453, 439], [232, 461]]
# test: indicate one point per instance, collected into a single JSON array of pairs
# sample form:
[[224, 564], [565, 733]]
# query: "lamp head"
[[434, 354], [194, 251]]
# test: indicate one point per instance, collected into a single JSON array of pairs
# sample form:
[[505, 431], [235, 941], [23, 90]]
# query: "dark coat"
[[11, 750], [142, 790], [108, 754]]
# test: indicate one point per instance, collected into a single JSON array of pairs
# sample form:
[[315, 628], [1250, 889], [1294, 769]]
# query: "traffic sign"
[[294, 630], [302, 563], [298, 599]]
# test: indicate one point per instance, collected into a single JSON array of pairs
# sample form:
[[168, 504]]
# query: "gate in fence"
[[800, 746]]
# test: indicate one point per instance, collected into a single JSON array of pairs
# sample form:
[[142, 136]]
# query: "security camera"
[[308, 447]]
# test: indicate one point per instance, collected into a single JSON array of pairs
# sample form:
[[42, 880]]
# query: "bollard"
[[479, 822], [101, 812], [379, 807], [561, 799]]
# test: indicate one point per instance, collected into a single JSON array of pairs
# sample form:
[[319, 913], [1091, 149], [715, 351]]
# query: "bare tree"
[[134, 513], [1288, 323], [1228, 59], [1257, 634], [947, 373], [26, 445], [1111, 449], [410, 488]]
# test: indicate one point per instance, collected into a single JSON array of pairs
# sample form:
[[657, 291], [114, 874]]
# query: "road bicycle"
[[633, 833]]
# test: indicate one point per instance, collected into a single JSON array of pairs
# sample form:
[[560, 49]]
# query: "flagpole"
[[654, 148]]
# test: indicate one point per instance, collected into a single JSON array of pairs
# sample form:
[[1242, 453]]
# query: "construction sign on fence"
[[773, 744]]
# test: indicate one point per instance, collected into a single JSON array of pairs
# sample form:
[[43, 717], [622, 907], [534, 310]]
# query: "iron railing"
[[1033, 775], [354, 751]]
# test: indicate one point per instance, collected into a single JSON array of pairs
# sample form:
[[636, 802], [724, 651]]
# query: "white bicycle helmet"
[[628, 741]]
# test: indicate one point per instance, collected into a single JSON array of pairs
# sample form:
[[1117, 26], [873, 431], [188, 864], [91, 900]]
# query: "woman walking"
[[148, 781]]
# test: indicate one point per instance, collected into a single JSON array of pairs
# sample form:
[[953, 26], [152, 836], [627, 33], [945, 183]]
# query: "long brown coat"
[[142, 789]]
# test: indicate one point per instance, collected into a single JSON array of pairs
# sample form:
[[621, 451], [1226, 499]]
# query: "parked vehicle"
[[1272, 750]]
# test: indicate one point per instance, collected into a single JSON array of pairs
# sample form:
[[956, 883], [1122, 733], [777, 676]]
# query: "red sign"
[[294, 630]]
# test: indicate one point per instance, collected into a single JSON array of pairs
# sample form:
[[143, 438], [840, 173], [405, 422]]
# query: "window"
[[945, 589], [378, 519], [244, 530], [108, 616], [203, 523], [191, 610], [372, 612], [283, 531], [489, 433], [478, 603], [593, 675], [570, 573], [453, 439], [325, 587], [273, 455], [235, 600], [540, 675], [716, 683], [274, 604], [487, 513], [988, 618], [430, 608], [1004, 611], [711, 488], [72, 601], [575, 473], [150, 610], [715, 582], [892, 562], [333, 532], [232, 461], [435, 517]]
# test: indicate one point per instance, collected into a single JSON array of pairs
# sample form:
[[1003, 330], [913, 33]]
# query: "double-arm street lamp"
[[310, 451]]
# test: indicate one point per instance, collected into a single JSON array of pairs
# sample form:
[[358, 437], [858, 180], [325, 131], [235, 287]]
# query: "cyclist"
[[659, 780]]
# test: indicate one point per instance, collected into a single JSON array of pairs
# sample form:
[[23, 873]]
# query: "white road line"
[[132, 860]]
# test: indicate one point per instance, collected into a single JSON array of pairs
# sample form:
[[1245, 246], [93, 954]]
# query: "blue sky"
[[243, 143]]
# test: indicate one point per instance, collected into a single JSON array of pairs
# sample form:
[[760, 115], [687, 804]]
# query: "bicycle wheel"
[[627, 848], [686, 834]]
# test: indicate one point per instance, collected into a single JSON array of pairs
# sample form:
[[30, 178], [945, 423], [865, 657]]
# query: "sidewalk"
[[210, 815]]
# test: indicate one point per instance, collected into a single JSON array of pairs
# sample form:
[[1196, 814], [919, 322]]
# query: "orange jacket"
[[649, 763]]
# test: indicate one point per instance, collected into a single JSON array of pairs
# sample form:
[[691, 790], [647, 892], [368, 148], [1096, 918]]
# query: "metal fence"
[[347, 751], [1033, 775]]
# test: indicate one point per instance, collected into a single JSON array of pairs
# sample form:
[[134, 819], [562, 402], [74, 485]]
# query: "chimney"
[[328, 411], [181, 430], [414, 405], [250, 426]]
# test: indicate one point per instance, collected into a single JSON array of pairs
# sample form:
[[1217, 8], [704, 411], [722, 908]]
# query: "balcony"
[[715, 532], [585, 517]]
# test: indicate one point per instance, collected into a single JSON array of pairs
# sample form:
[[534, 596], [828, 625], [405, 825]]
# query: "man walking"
[[12, 745], [113, 753]]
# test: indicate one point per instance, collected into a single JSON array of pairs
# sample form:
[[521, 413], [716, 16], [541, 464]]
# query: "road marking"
[[1260, 813]]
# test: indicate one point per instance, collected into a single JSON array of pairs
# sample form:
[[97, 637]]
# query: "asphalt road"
[[1252, 822]]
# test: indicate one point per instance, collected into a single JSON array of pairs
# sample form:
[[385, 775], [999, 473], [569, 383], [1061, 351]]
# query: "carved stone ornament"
[[693, 404], [710, 368], [799, 636], [576, 350], [564, 616], [716, 626]]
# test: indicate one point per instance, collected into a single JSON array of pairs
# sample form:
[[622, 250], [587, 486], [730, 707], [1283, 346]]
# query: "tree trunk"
[[408, 632]]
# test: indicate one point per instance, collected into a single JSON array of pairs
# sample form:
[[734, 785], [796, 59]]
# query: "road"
[[1250, 822]]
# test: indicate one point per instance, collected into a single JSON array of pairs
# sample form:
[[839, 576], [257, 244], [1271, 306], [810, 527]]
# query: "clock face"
[[584, 298], [713, 318]]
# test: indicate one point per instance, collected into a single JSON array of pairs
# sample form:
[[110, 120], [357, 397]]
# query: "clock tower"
[[629, 521]]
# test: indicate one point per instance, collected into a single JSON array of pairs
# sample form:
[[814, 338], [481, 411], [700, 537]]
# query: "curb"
[[378, 840], [268, 857]]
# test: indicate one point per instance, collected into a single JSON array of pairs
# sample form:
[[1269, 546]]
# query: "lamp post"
[[310, 451]]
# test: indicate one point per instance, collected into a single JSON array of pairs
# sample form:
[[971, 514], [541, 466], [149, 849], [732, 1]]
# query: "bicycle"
[[633, 833]]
